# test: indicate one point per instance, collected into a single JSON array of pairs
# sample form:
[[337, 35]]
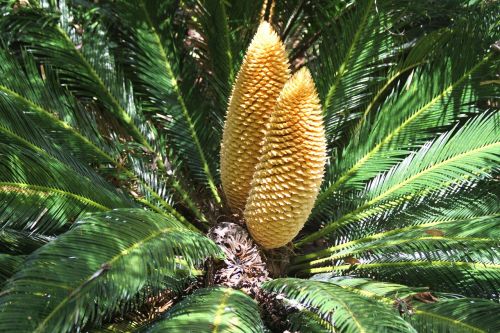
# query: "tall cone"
[[261, 78], [291, 165]]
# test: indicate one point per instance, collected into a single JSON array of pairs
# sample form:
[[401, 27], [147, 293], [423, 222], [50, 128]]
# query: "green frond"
[[28, 99], [20, 242], [97, 267], [421, 102], [121, 327], [458, 315], [307, 321], [464, 277], [369, 288], [81, 63], [465, 235], [215, 53], [243, 20], [149, 50], [447, 248], [344, 310], [349, 70], [214, 309], [9, 264], [91, 74], [457, 204], [442, 314], [466, 152], [41, 194]]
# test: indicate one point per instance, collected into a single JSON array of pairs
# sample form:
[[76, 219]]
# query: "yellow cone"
[[290, 170], [260, 80]]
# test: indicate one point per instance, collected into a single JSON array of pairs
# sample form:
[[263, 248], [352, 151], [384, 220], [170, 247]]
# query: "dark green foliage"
[[312, 300], [342, 309], [111, 116], [215, 309], [102, 256], [9, 264], [457, 315]]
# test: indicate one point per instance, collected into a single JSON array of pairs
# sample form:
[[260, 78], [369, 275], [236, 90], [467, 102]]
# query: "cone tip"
[[300, 81], [266, 32]]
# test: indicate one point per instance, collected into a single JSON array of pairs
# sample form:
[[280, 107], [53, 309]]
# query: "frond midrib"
[[180, 99], [121, 113], [401, 241], [57, 122], [343, 66], [344, 177], [389, 301], [221, 308], [381, 235], [51, 191], [346, 218], [478, 266], [88, 143], [124, 252], [451, 320]]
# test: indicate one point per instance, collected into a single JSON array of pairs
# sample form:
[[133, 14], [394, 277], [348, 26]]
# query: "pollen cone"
[[260, 80], [291, 165]]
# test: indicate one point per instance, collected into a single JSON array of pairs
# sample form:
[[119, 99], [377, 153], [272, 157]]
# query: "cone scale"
[[260, 80], [291, 165]]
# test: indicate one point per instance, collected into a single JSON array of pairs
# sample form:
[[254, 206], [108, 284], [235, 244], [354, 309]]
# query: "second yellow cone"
[[260, 80], [291, 165]]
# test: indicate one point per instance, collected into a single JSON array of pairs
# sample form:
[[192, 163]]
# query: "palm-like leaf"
[[443, 252], [443, 314], [458, 315], [23, 88], [100, 258], [148, 42], [9, 264], [212, 310], [65, 121], [431, 98], [453, 156], [42, 194], [106, 107], [344, 310]]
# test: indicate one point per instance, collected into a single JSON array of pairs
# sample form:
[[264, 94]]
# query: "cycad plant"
[[356, 189]]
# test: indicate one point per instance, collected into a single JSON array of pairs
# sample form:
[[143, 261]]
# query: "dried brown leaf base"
[[244, 267]]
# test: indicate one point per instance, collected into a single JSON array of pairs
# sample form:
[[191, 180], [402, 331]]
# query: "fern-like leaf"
[[212, 310], [346, 311], [97, 266]]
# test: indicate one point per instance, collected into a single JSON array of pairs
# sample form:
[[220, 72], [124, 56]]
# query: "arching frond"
[[459, 204], [149, 48], [349, 70], [213, 47], [467, 152], [458, 315], [368, 287], [20, 242], [41, 194], [34, 108], [97, 267], [425, 312], [452, 238], [419, 104], [92, 75], [9, 264], [344, 310], [307, 321], [214, 309]]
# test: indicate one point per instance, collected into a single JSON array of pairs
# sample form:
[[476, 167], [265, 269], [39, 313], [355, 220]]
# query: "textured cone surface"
[[291, 165], [260, 80]]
